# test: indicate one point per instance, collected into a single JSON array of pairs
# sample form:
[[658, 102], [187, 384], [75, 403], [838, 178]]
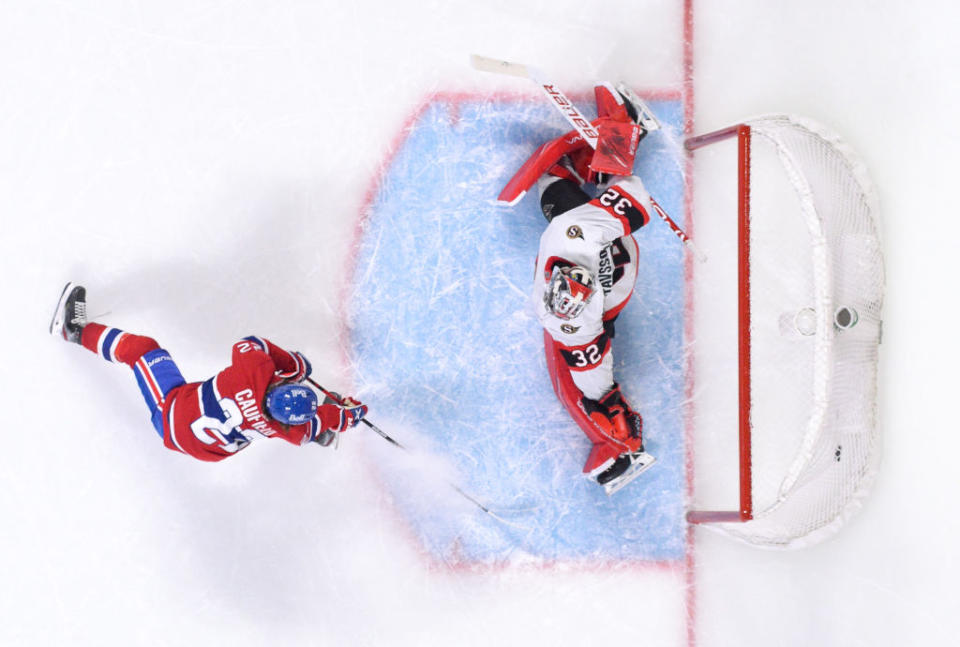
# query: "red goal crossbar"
[[742, 133]]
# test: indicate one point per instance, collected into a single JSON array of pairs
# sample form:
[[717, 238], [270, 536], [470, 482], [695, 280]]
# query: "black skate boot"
[[71, 314], [637, 109], [627, 467]]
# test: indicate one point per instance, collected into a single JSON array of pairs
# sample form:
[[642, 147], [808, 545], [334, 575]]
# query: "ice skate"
[[627, 467], [638, 109], [71, 314]]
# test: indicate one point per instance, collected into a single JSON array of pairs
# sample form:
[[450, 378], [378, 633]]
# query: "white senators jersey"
[[597, 236]]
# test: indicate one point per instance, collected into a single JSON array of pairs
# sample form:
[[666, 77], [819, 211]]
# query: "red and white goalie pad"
[[606, 427], [616, 149]]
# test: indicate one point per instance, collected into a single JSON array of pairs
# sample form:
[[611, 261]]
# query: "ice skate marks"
[[442, 336]]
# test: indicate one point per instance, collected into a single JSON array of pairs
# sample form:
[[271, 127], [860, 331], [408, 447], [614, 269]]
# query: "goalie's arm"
[[619, 211], [629, 203]]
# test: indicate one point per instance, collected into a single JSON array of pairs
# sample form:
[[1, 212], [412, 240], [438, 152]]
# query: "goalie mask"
[[291, 404], [569, 291]]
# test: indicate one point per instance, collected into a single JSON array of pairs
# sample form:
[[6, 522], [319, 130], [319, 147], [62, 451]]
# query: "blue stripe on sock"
[[108, 342]]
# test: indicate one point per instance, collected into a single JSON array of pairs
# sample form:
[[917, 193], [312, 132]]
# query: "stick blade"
[[697, 252], [497, 66]]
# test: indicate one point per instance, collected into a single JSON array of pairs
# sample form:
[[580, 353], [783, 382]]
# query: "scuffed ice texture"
[[444, 342]]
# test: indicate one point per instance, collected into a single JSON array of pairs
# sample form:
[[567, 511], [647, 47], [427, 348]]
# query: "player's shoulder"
[[572, 226], [251, 343], [624, 184], [252, 360]]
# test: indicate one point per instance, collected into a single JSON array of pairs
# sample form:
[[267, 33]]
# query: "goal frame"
[[801, 475], [745, 428]]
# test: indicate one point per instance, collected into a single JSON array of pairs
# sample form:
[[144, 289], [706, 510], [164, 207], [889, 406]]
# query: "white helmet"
[[568, 291]]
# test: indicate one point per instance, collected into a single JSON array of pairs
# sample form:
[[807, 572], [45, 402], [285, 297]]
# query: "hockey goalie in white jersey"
[[585, 274]]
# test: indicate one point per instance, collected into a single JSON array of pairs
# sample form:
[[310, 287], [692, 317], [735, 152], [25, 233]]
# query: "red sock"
[[115, 345]]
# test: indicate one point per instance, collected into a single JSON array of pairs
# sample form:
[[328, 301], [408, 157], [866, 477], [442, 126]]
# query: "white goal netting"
[[816, 291]]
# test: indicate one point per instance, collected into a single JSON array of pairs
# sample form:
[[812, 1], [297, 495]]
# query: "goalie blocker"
[[622, 122]]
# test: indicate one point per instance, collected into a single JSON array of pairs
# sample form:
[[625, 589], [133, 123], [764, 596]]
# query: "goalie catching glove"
[[350, 413], [616, 420], [620, 459]]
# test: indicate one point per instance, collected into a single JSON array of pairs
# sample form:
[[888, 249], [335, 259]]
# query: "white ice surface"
[[174, 155]]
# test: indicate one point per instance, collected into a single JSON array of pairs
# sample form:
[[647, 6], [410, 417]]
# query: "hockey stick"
[[557, 98], [581, 123], [681, 234], [395, 443]]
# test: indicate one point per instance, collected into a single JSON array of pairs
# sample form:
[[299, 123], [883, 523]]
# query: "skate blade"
[[56, 324], [648, 120], [641, 465]]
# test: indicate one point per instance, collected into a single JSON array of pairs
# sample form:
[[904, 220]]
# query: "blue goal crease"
[[441, 331]]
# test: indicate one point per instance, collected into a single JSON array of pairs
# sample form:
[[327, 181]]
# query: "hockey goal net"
[[810, 281]]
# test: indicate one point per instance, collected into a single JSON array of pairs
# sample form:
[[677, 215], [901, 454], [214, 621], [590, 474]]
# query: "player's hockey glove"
[[615, 418], [352, 412], [341, 414], [300, 368]]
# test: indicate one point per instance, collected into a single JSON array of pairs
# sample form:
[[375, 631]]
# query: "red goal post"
[[810, 283]]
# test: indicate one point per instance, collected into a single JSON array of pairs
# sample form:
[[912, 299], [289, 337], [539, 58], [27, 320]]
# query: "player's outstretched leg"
[[156, 373], [619, 457]]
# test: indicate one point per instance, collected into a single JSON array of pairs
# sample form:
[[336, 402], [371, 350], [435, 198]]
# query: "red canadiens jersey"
[[214, 419]]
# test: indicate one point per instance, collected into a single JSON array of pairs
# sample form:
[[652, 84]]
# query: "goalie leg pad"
[[537, 164], [610, 439], [601, 458]]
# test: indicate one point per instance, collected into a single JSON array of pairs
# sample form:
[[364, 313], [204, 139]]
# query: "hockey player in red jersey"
[[261, 393], [585, 273]]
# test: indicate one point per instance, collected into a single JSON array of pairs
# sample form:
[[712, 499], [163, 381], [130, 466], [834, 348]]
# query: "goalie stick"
[[582, 125], [395, 443], [557, 98]]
